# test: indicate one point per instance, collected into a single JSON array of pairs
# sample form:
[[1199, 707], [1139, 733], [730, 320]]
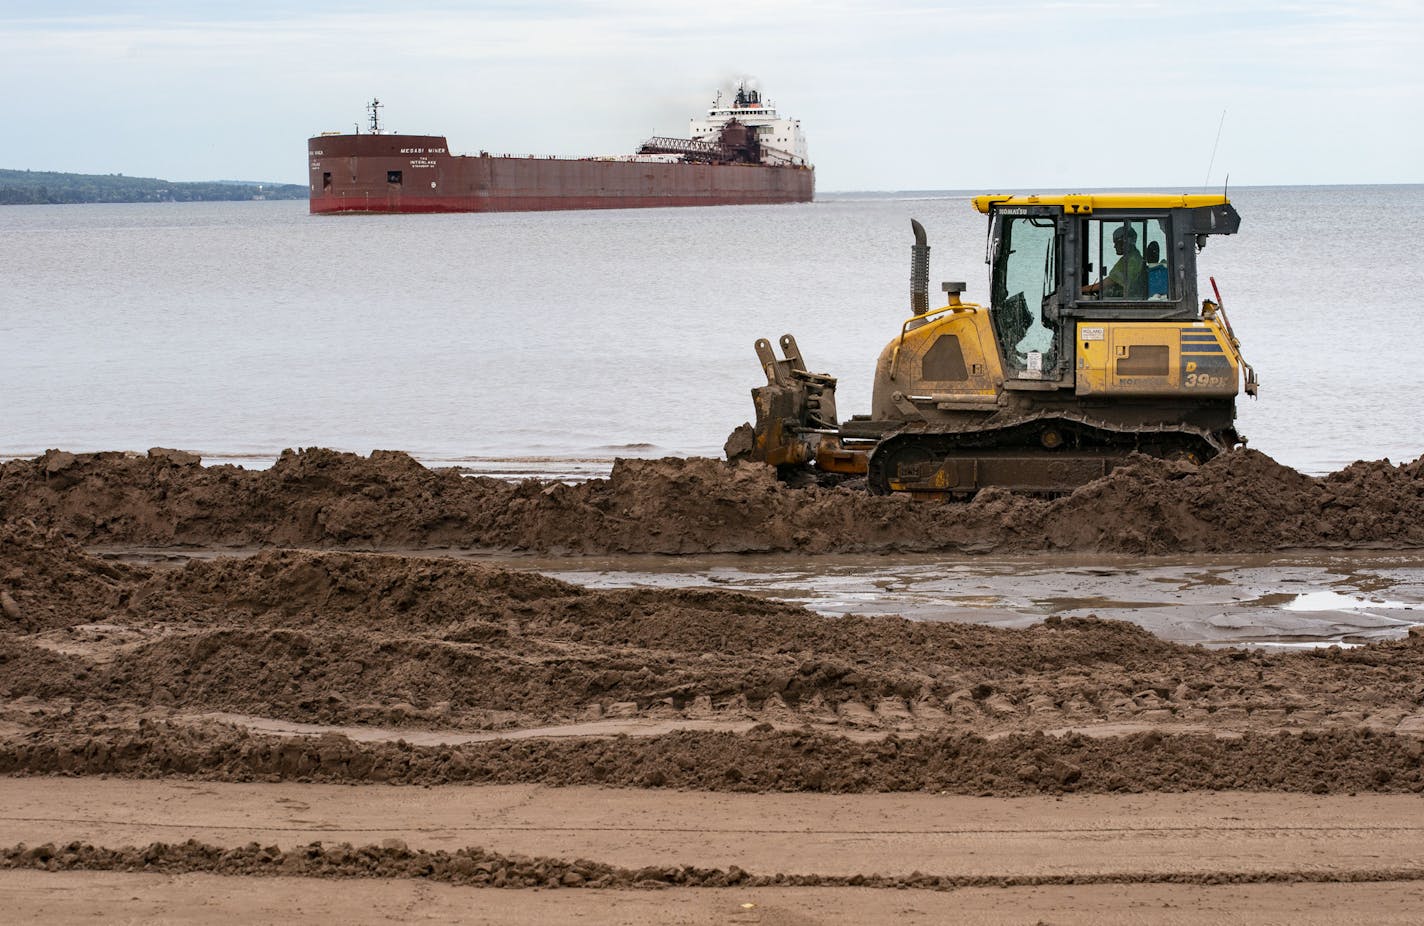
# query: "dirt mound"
[[757, 761], [48, 581], [307, 497], [473, 867], [1238, 502], [477, 867], [298, 589], [1241, 500], [1152, 506]]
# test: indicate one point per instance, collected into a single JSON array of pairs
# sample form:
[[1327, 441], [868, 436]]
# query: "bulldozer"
[[1093, 347]]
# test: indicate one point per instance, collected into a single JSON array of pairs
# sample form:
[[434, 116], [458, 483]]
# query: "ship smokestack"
[[919, 271]]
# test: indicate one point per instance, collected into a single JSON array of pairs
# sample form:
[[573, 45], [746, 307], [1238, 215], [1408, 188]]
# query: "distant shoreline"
[[38, 188]]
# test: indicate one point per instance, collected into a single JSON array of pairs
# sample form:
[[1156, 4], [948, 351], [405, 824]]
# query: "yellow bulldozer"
[[1093, 346]]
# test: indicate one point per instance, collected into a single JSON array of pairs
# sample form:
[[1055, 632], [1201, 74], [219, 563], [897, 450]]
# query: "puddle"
[[1334, 601], [1291, 602]]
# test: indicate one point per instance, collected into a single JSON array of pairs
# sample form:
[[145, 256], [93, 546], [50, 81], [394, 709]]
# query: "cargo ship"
[[743, 152]]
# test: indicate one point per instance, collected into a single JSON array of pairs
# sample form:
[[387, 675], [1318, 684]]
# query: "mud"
[[1239, 502], [476, 867]]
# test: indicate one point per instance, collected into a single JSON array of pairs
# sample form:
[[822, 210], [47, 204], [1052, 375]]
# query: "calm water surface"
[[238, 329]]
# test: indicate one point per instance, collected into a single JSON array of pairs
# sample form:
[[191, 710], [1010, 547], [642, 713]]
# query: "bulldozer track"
[[1049, 453]]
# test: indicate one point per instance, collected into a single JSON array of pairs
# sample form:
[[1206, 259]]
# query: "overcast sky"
[[893, 95]]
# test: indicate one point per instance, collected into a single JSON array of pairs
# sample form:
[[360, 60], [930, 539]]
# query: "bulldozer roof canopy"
[[1087, 203]]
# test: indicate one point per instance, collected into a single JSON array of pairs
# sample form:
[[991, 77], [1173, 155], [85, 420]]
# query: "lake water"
[[238, 329]]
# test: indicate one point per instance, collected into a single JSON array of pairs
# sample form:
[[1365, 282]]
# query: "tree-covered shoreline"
[[27, 187]]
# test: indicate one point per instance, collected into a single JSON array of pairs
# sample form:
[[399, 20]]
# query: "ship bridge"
[[780, 139]]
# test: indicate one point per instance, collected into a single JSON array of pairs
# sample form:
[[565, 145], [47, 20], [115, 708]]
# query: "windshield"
[[1025, 280]]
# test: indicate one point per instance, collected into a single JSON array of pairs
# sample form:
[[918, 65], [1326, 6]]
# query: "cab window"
[[1025, 279], [1127, 259]]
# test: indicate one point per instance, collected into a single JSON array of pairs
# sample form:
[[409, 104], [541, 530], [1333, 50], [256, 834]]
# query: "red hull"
[[416, 173]]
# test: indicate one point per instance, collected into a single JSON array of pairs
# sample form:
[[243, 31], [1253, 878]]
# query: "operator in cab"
[[1128, 277]]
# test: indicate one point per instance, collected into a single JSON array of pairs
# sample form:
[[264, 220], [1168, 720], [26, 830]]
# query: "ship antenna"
[[375, 108]]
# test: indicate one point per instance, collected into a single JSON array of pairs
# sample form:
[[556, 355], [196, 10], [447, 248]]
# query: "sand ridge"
[[1238, 502]]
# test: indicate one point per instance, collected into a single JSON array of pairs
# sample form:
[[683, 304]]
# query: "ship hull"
[[417, 174]]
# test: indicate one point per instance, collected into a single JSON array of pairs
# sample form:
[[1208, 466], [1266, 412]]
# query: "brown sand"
[[1241, 501], [1193, 836], [151, 898], [293, 666], [797, 858]]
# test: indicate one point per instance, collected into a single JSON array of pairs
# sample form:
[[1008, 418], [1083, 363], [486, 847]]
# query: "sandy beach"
[[213, 679]]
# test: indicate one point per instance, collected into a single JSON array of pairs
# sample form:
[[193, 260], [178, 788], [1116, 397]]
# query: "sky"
[[892, 95]]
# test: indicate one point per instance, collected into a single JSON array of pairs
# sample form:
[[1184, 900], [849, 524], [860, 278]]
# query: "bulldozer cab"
[[1055, 261]]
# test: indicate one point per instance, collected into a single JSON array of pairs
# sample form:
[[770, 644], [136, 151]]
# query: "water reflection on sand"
[[1317, 599]]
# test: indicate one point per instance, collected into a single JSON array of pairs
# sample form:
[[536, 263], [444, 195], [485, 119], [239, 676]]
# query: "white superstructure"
[[781, 139]]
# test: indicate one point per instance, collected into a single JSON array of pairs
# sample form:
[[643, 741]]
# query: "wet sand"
[[1272, 600], [199, 898], [1082, 859], [1142, 838]]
